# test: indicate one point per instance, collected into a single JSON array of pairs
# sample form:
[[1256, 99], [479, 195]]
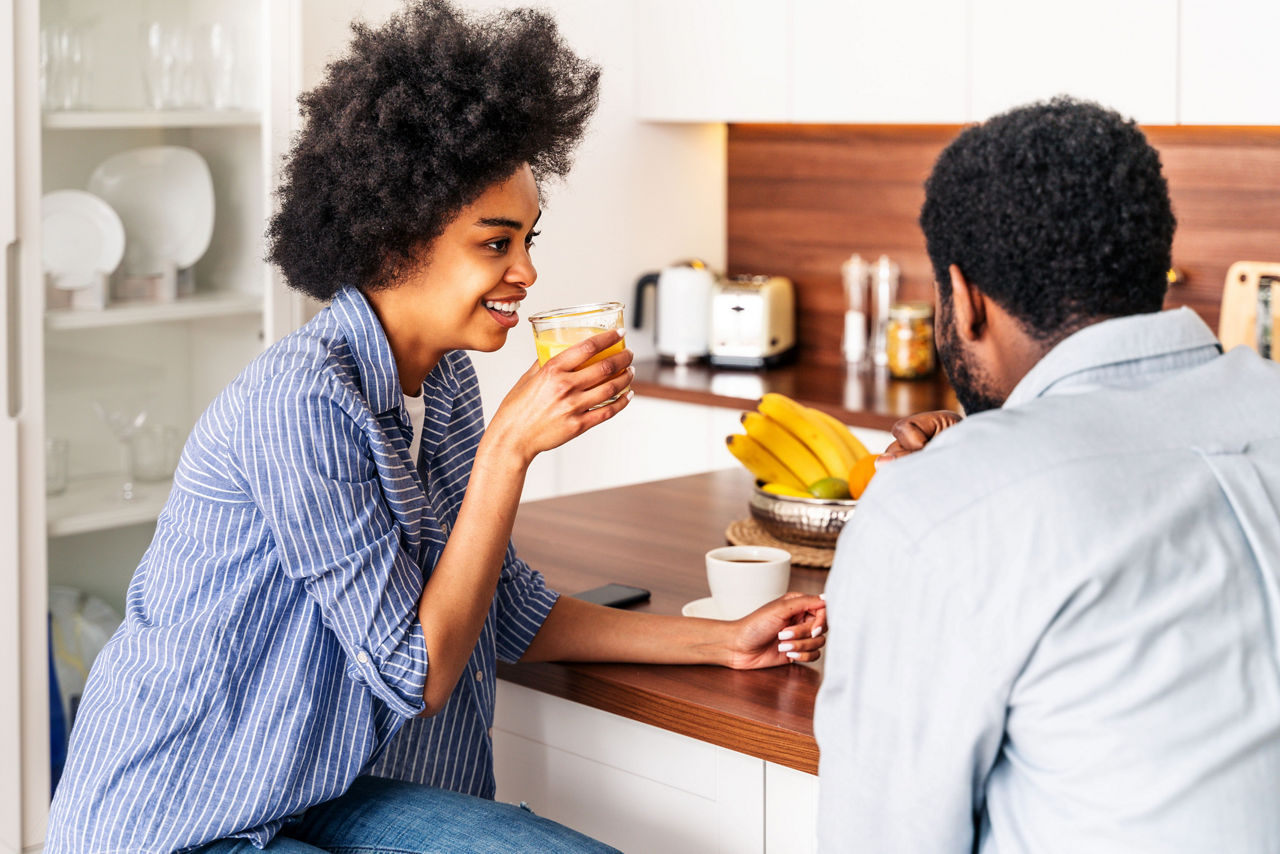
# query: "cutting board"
[[1238, 322]]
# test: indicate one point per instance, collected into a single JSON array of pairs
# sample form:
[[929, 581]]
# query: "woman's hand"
[[786, 630], [552, 403], [912, 433]]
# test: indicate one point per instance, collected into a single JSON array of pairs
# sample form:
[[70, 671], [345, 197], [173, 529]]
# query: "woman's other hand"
[[912, 433], [552, 403], [786, 630]]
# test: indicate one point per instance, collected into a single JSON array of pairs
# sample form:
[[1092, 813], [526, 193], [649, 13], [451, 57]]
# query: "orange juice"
[[552, 342]]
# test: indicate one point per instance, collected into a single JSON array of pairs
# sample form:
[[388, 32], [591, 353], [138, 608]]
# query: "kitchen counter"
[[861, 398], [654, 535]]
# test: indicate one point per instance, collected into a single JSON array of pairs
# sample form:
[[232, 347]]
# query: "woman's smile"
[[504, 311]]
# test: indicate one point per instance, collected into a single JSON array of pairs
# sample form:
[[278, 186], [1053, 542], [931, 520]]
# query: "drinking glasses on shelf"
[[64, 67], [124, 420], [56, 465], [167, 65], [156, 448], [217, 58]]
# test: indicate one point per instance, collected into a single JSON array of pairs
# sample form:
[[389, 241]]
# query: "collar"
[[1113, 343], [370, 349]]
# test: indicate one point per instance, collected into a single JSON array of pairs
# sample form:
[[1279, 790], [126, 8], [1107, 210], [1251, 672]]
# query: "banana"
[[852, 442], [789, 450], [764, 465], [783, 489], [802, 422]]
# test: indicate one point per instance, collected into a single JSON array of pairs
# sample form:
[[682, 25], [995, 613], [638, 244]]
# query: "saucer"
[[705, 608]]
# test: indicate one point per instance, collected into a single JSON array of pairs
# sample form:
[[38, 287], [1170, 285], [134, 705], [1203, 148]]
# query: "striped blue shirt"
[[271, 651]]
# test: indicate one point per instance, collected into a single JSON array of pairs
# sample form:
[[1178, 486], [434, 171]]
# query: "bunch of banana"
[[796, 450]]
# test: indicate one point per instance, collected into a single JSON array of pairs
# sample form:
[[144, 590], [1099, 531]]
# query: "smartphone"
[[614, 595]]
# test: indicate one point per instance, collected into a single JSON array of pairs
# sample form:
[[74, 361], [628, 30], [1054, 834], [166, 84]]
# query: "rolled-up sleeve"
[[308, 464], [523, 602]]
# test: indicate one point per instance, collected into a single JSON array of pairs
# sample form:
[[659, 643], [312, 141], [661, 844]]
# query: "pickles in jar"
[[910, 340]]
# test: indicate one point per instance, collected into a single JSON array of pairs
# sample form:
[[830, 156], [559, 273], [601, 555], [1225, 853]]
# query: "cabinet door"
[[1227, 62], [711, 60], [631, 785], [1123, 55], [875, 62]]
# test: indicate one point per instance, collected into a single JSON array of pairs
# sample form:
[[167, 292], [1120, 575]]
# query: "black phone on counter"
[[614, 595]]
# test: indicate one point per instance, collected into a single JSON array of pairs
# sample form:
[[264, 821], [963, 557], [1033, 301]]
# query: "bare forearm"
[[456, 599], [582, 631]]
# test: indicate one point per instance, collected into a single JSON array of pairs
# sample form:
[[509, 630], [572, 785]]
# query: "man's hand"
[[914, 432]]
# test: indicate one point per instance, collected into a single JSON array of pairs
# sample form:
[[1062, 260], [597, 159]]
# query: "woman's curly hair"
[[414, 123], [1058, 211]]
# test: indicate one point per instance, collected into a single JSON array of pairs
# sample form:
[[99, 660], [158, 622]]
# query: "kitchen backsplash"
[[802, 198]]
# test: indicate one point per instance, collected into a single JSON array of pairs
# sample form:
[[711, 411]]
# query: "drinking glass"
[[124, 420], [64, 67], [167, 65], [559, 329], [218, 62], [156, 448], [56, 465]]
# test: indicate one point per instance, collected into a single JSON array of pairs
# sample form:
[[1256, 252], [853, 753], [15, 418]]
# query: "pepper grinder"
[[854, 343], [885, 289]]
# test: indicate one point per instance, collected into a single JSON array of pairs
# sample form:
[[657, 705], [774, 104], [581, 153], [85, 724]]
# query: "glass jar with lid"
[[910, 340]]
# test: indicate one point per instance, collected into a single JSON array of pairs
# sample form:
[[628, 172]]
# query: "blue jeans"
[[379, 816]]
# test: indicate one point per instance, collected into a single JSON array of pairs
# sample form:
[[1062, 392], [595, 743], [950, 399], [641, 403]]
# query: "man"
[[1055, 627]]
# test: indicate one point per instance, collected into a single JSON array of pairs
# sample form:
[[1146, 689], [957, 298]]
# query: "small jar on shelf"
[[910, 340]]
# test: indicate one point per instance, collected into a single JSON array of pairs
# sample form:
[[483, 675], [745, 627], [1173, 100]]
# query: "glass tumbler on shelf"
[[218, 62], [64, 67], [167, 65], [57, 468], [156, 448]]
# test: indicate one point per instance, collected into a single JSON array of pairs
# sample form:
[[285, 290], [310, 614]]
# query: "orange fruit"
[[861, 473]]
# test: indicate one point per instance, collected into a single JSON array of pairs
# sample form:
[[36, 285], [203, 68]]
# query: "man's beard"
[[973, 386]]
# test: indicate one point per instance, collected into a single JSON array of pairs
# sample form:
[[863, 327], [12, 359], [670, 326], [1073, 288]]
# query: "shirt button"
[[479, 675], [491, 733], [362, 657]]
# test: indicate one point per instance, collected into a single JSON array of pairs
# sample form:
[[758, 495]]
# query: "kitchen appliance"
[[683, 302], [753, 322], [1250, 314]]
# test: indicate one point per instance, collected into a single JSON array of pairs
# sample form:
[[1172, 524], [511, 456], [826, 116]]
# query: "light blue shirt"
[[1055, 628], [271, 650]]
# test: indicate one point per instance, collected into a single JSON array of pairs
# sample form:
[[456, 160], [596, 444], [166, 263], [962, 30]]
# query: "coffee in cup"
[[742, 578]]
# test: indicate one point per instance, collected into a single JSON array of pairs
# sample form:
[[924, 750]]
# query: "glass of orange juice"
[[559, 329]]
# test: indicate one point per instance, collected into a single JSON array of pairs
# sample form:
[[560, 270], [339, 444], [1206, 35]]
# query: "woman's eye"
[[500, 245]]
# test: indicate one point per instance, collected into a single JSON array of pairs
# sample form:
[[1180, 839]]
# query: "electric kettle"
[[682, 320]]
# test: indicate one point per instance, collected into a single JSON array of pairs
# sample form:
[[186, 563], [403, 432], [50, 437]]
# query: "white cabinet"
[[1123, 55], [170, 358], [711, 60], [953, 61], [641, 788], [875, 62], [1227, 62]]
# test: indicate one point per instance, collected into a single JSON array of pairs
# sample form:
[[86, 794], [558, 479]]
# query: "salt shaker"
[[854, 343]]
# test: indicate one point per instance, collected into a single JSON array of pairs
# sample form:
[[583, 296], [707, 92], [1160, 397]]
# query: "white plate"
[[83, 238], [164, 195], [705, 608]]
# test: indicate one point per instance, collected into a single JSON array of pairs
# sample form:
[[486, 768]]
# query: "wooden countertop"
[[655, 535], [865, 398]]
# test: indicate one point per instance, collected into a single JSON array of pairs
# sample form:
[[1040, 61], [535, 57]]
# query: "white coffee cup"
[[742, 578]]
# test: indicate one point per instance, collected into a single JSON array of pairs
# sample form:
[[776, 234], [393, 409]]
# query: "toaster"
[[1250, 314], [753, 321]]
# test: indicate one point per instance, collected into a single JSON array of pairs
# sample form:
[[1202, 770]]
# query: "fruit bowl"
[[813, 522]]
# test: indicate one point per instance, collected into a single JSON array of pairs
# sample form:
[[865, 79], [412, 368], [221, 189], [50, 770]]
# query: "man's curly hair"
[[1058, 211], [420, 117]]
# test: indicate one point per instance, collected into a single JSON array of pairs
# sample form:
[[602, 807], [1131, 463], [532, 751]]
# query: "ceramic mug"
[[742, 578]]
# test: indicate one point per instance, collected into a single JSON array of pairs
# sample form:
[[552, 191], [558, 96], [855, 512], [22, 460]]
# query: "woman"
[[308, 658]]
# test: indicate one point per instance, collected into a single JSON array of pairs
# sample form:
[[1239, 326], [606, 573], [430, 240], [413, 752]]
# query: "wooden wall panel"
[[802, 198]]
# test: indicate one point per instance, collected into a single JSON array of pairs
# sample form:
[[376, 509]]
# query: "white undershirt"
[[417, 407]]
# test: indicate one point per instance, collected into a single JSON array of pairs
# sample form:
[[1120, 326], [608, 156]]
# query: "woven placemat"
[[747, 532]]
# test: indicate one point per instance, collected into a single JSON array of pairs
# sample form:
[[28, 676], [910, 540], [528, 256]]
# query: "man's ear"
[[968, 306]]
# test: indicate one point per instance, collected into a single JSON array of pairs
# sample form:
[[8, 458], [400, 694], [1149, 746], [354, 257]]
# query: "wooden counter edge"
[[743, 735]]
